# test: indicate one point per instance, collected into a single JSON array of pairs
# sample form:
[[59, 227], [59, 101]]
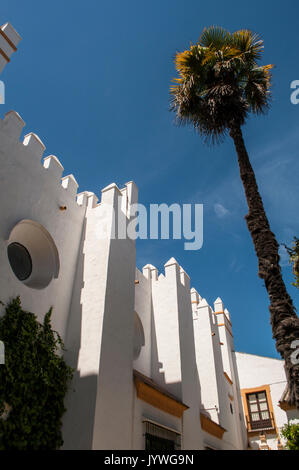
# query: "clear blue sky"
[[92, 80]]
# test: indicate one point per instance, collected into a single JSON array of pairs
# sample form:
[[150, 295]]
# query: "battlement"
[[195, 297], [123, 199], [171, 268], [30, 151], [221, 315]]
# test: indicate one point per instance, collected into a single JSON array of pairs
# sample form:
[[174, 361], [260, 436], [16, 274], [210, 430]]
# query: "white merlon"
[[109, 187], [131, 197], [154, 275], [92, 199], [52, 164], [172, 270], [218, 305], [150, 267], [185, 279], [124, 200], [13, 124], [69, 182], [171, 262], [82, 198], [34, 145], [149, 271], [110, 195], [203, 304], [195, 297], [227, 314]]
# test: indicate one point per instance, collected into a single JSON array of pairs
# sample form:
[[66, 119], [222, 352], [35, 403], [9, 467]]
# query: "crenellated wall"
[[42, 212], [188, 351], [165, 301], [79, 268]]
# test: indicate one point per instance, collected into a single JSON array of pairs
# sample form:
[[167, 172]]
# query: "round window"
[[20, 260], [32, 254]]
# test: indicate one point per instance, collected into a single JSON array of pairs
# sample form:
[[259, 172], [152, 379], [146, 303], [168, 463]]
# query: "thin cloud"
[[220, 211]]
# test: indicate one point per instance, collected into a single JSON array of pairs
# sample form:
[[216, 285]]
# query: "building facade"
[[155, 365]]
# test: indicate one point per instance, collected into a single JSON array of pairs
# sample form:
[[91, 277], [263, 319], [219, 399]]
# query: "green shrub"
[[291, 433], [33, 381]]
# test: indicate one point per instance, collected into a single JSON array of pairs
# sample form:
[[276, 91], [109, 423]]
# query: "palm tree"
[[220, 83]]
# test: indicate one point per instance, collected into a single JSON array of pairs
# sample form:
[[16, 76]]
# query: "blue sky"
[[92, 80]]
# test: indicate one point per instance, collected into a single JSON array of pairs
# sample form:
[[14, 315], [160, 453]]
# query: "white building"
[[155, 363]]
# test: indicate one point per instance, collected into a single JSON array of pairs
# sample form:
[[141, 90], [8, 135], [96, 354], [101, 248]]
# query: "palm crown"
[[220, 81]]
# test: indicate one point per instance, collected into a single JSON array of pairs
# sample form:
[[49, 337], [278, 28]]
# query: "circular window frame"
[[42, 250]]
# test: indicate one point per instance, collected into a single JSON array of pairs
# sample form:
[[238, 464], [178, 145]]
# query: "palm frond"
[[249, 44], [220, 82], [215, 37], [257, 89]]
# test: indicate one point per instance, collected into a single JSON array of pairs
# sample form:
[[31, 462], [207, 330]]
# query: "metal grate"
[[160, 438]]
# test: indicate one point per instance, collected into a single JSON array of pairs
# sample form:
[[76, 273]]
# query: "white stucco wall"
[[143, 308], [29, 190], [143, 411], [173, 348], [103, 386]]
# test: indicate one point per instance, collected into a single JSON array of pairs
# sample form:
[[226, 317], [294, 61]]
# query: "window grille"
[[160, 439]]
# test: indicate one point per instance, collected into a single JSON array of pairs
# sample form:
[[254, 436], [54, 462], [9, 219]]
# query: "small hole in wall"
[[231, 409]]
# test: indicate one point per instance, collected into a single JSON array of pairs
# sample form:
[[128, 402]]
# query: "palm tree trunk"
[[284, 321]]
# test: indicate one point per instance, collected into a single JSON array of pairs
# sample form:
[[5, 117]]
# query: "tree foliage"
[[294, 259], [220, 81], [33, 381], [291, 433]]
